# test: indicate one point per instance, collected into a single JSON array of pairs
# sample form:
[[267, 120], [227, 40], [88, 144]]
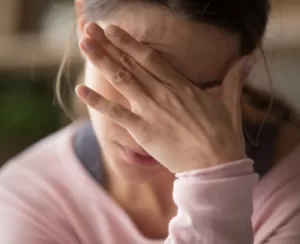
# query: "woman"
[[163, 158]]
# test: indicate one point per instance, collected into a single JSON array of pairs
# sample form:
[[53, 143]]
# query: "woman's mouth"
[[140, 157]]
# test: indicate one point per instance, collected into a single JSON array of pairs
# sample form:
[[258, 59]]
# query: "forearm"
[[214, 205]]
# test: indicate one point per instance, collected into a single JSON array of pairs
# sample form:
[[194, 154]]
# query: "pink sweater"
[[47, 197]]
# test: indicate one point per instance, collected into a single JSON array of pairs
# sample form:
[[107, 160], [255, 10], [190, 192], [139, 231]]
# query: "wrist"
[[212, 160]]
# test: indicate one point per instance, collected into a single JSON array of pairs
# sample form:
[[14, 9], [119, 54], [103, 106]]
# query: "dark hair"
[[246, 17]]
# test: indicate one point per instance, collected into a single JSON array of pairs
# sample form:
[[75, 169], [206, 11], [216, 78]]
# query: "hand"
[[171, 118]]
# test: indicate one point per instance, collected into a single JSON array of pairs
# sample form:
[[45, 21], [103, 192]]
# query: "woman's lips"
[[140, 157]]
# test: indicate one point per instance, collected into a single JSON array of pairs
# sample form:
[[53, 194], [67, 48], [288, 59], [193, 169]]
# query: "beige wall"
[[8, 9], [282, 47]]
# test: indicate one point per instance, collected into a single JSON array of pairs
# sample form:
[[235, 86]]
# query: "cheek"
[[97, 82], [106, 130]]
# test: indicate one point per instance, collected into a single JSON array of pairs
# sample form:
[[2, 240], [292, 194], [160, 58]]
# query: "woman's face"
[[201, 52]]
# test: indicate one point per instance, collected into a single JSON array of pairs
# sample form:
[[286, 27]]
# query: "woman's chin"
[[140, 171], [131, 163], [138, 158]]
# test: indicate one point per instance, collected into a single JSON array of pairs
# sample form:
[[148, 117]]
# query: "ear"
[[80, 18]]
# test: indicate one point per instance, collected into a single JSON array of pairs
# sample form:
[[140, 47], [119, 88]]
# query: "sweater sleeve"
[[214, 205], [288, 233]]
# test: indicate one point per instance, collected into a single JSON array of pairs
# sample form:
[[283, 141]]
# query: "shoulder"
[[45, 162], [50, 163], [277, 200], [44, 156], [35, 187]]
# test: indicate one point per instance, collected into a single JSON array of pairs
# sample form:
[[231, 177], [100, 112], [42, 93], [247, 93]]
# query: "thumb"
[[232, 88]]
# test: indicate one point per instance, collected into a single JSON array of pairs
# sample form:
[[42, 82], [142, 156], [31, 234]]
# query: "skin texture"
[[200, 53], [187, 51]]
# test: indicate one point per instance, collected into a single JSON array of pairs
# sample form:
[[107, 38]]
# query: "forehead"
[[201, 52]]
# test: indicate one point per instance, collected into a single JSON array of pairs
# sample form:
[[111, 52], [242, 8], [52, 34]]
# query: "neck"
[[149, 205]]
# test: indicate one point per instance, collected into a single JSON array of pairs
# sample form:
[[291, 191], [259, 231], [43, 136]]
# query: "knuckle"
[[145, 133], [149, 57], [174, 102], [117, 34], [128, 61], [188, 90], [122, 77], [114, 109], [170, 99], [123, 37], [94, 99]]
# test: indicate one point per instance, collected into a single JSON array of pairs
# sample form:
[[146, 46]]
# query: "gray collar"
[[87, 149]]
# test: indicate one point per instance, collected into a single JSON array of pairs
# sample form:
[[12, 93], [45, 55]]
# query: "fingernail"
[[83, 91], [88, 95], [113, 31], [249, 64], [78, 5], [87, 45], [93, 29]]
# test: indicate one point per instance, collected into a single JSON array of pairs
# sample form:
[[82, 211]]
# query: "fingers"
[[147, 80], [146, 65], [233, 85], [78, 9], [145, 56], [115, 73], [114, 111], [94, 31]]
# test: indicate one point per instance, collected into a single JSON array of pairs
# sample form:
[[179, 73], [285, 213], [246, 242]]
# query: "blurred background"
[[34, 35]]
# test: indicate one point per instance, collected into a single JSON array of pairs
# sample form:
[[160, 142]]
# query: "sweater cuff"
[[233, 169]]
